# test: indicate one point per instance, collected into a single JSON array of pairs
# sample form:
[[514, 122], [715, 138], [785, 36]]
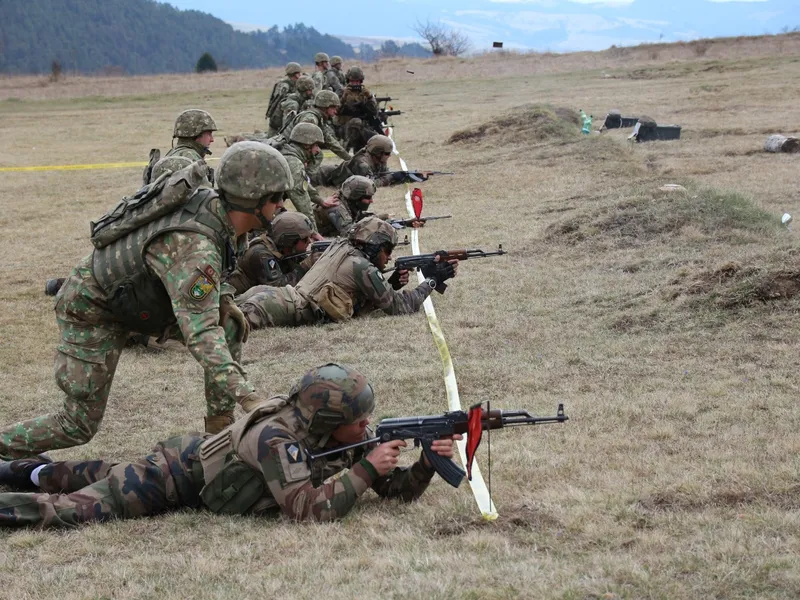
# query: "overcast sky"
[[555, 25]]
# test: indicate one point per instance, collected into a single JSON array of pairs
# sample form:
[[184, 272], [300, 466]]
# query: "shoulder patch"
[[378, 282], [202, 283], [293, 461]]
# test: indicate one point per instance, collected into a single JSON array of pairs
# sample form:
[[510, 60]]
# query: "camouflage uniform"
[[280, 90], [357, 103], [303, 195], [163, 277], [342, 284], [264, 264], [300, 99], [336, 67], [188, 126], [314, 115], [332, 82], [336, 221], [257, 466]]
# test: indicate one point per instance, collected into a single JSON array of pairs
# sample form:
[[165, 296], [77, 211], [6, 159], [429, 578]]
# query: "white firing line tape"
[[479, 489]]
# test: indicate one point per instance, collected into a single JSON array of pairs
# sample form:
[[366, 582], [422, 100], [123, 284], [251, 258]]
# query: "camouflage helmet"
[[193, 122], [354, 73], [289, 227], [306, 133], [292, 68], [336, 60], [379, 144], [326, 99], [304, 84], [321, 57], [169, 163], [372, 231], [332, 395], [250, 171], [357, 187]]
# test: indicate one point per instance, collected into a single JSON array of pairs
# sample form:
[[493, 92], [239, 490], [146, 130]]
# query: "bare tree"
[[442, 40]]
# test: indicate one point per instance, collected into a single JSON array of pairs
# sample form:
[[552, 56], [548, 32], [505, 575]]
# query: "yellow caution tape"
[[479, 489], [119, 165]]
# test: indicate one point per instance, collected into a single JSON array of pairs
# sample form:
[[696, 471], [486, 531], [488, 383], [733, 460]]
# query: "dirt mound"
[[648, 214], [524, 124], [733, 285]]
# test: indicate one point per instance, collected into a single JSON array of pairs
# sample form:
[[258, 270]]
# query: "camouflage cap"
[[306, 133], [249, 171], [326, 99], [169, 163], [292, 68], [354, 73], [379, 144], [336, 60], [290, 227], [374, 231], [320, 57], [357, 187], [304, 84], [191, 123], [332, 395]]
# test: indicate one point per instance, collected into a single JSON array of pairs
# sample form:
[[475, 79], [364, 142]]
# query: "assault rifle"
[[416, 176], [425, 430], [400, 223], [322, 245], [420, 261], [384, 99]]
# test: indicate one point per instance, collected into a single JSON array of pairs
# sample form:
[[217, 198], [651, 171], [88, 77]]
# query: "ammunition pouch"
[[336, 303], [142, 304]]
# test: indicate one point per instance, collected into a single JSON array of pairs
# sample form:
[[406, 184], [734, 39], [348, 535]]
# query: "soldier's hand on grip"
[[384, 457]]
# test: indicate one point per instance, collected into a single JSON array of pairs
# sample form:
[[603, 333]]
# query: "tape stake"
[[479, 489]]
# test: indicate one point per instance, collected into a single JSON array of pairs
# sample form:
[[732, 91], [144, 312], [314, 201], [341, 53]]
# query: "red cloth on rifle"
[[474, 433], [416, 202]]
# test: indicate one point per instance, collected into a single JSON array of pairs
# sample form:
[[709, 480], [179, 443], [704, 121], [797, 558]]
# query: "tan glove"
[[252, 401], [229, 310], [216, 423]]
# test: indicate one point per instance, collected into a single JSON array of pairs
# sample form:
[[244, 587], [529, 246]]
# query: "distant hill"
[[144, 36]]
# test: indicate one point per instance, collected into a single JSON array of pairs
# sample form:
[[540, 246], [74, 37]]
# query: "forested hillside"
[[142, 36]]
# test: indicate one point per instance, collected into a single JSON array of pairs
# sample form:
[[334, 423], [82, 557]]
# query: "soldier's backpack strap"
[[231, 485]]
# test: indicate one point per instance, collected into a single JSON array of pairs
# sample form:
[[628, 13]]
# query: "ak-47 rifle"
[[380, 99], [427, 261], [322, 245], [425, 430], [400, 223], [417, 176]]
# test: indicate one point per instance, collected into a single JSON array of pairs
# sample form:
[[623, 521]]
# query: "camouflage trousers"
[[75, 492], [85, 363], [267, 306]]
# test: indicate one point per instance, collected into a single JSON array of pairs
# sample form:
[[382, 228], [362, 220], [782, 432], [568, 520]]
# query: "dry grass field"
[[665, 321]]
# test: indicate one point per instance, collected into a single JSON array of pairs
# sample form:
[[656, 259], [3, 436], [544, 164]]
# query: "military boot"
[[17, 473], [52, 286]]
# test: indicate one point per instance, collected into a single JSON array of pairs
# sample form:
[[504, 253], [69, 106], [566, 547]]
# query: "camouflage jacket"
[[334, 221], [340, 76], [349, 269], [263, 264], [331, 82], [322, 490], [363, 164], [280, 90], [190, 149], [315, 116], [357, 104], [291, 106], [303, 195]]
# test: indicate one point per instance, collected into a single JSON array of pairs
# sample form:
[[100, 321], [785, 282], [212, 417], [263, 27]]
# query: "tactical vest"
[[319, 285], [232, 486], [274, 116], [135, 296]]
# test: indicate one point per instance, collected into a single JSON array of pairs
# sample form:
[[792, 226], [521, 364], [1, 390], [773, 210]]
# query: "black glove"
[[441, 272], [398, 176], [394, 280]]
